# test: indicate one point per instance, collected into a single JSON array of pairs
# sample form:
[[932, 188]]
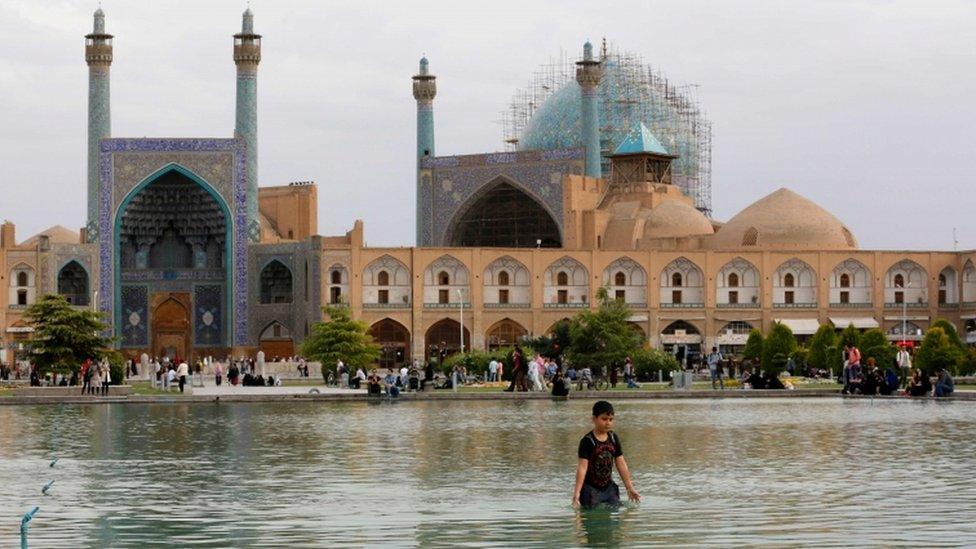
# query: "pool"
[[712, 472]]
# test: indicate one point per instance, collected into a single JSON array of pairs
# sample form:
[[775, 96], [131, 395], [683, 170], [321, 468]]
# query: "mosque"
[[186, 254]]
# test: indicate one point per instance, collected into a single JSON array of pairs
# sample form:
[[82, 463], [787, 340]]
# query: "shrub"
[[476, 362], [754, 345], [648, 362], [850, 337], [820, 344], [874, 344], [936, 352], [777, 347]]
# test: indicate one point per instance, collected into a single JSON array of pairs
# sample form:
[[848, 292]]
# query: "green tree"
[[777, 347], [602, 338], [936, 352], [754, 345], [64, 336], [820, 343], [874, 344], [340, 338], [647, 362], [950, 329], [850, 337], [552, 345]]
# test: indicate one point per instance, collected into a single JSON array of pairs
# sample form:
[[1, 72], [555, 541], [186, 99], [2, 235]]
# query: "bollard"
[[23, 526], [47, 487]]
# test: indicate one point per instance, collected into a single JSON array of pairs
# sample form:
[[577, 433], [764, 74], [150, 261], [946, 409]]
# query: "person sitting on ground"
[[869, 383], [891, 382], [390, 384], [357, 381], [944, 386], [754, 380], [560, 384], [773, 381], [373, 383]]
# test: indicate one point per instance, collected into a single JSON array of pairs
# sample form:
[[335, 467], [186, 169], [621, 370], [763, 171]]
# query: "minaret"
[[424, 90], [247, 55], [98, 55], [588, 73]]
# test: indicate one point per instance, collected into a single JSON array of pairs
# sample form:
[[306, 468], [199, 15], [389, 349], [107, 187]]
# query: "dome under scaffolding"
[[546, 115]]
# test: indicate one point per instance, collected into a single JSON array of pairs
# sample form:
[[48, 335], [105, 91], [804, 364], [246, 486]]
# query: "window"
[[336, 277], [845, 281], [733, 296], [676, 296], [845, 297], [503, 278], [562, 279], [275, 283], [733, 280], [788, 280], [751, 237], [443, 279], [21, 297], [676, 279], [899, 281], [291, 234], [899, 297], [383, 279], [443, 296], [620, 295], [788, 297], [73, 284], [276, 330], [562, 296], [22, 278], [619, 279], [503, 296], [942, 297], [335, 295], [384, 296]]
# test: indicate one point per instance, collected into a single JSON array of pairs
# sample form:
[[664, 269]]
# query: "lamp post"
[[461, 317], [904, 314]]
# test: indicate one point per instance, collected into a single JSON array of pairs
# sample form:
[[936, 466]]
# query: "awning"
[[800, 326], [861, 322]]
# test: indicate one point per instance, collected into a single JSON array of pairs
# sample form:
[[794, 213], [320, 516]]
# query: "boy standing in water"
[[599, 450]]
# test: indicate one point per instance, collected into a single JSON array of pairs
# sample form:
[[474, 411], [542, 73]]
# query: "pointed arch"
[[795, 284], [504, 333], [506, 283], [386, 283], [503, 214], [394, 341], [737, 284], [276, 341], [444, 338], [73, 283], [969, 282], [948, 286], [906, 284], [275, 283], [566, 284], [446, 282], [682, 284]]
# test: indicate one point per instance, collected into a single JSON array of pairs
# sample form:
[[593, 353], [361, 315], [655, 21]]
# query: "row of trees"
[[941, 347]]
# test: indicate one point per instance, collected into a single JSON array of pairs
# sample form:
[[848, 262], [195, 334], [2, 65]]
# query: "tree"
[[850, 337], [552, 345], [647, 362], [340, 338], [777, 347], [823, 340], [603, 337], [874, 344], [64, 336], [950, 329], [754, 345], [936, 352]]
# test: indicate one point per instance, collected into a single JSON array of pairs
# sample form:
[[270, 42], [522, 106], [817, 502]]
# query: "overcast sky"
[[866, 108]]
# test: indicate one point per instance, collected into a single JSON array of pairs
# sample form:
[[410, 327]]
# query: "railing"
[[893, 305], [508, 305], [949, 306], [16, 306], [738, 305], [851, 305], [794, 305], [565, 305], [637, 305], [968, 304], [386, 305], [682, 305], [447, 305]]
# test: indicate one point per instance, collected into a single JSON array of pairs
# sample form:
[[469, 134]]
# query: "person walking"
[[218, 373], [904, 360], [106, 372], [493, 370], [86, 376], [629, 376], [715, 368], [182, 372]]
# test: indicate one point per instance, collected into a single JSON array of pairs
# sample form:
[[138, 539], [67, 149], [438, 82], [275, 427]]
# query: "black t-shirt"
[[600, 455]]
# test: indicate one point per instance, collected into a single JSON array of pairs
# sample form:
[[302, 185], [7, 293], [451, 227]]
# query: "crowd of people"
[[869, 379]]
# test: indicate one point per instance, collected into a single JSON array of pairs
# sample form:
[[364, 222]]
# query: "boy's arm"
[[581, 467], [625, 477]]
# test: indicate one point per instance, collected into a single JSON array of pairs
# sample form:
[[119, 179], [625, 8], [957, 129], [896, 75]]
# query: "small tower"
[[588, 74], [424, 90], [98, 55], [247, 55]]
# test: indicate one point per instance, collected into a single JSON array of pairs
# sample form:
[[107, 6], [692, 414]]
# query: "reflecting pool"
[[712, 472]]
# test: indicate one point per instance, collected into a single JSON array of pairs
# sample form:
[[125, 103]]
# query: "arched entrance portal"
[[394, 340], [276, 342], [682, 339], [171, 325], [444, 339], [505, 217], [505, 333], [173, 241]]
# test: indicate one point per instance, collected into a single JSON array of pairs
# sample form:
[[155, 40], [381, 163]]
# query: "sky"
[[866, 108]]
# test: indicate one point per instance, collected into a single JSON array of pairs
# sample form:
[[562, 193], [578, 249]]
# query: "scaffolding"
[[631, 92]]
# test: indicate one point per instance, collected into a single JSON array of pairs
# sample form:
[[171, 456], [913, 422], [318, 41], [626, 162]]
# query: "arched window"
[[503, 278], [276, 283], [336, 277], [899, 281], [733, 280], [676, 279], [620, 279], [383, 279], [788, 281], [22, 278], [562, 279], [443, 279], [21, 297], [845, 280], [942, 280], [73, 284]]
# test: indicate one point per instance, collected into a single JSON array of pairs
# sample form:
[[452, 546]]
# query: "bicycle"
[[598, 383]]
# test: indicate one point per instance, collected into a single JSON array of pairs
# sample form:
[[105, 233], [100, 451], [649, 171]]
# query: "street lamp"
[[904, 313], [461, 316]]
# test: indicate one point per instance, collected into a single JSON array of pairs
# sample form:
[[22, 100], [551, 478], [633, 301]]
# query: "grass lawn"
[[144, 388]]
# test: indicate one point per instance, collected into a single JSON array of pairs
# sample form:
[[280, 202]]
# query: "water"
[[736, 472]]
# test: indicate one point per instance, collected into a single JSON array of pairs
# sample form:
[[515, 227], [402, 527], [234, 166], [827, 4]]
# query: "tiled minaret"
[[424, 90], [247, 55], [588, 74], [98, 55]]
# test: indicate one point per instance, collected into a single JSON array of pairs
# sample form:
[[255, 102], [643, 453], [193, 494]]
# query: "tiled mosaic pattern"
[[208, 317], [135, 316]]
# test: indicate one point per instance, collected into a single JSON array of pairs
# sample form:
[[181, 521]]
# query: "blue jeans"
[[718, 376], [942, 390]]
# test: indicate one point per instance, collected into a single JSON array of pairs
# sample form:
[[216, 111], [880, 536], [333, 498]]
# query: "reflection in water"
[[736, 472]]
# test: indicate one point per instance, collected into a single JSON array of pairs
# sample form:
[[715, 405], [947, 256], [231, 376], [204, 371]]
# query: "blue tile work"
[[208, 318], [449, 184], [99, 126], [247, 129], [135, 316], [124, 163]]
